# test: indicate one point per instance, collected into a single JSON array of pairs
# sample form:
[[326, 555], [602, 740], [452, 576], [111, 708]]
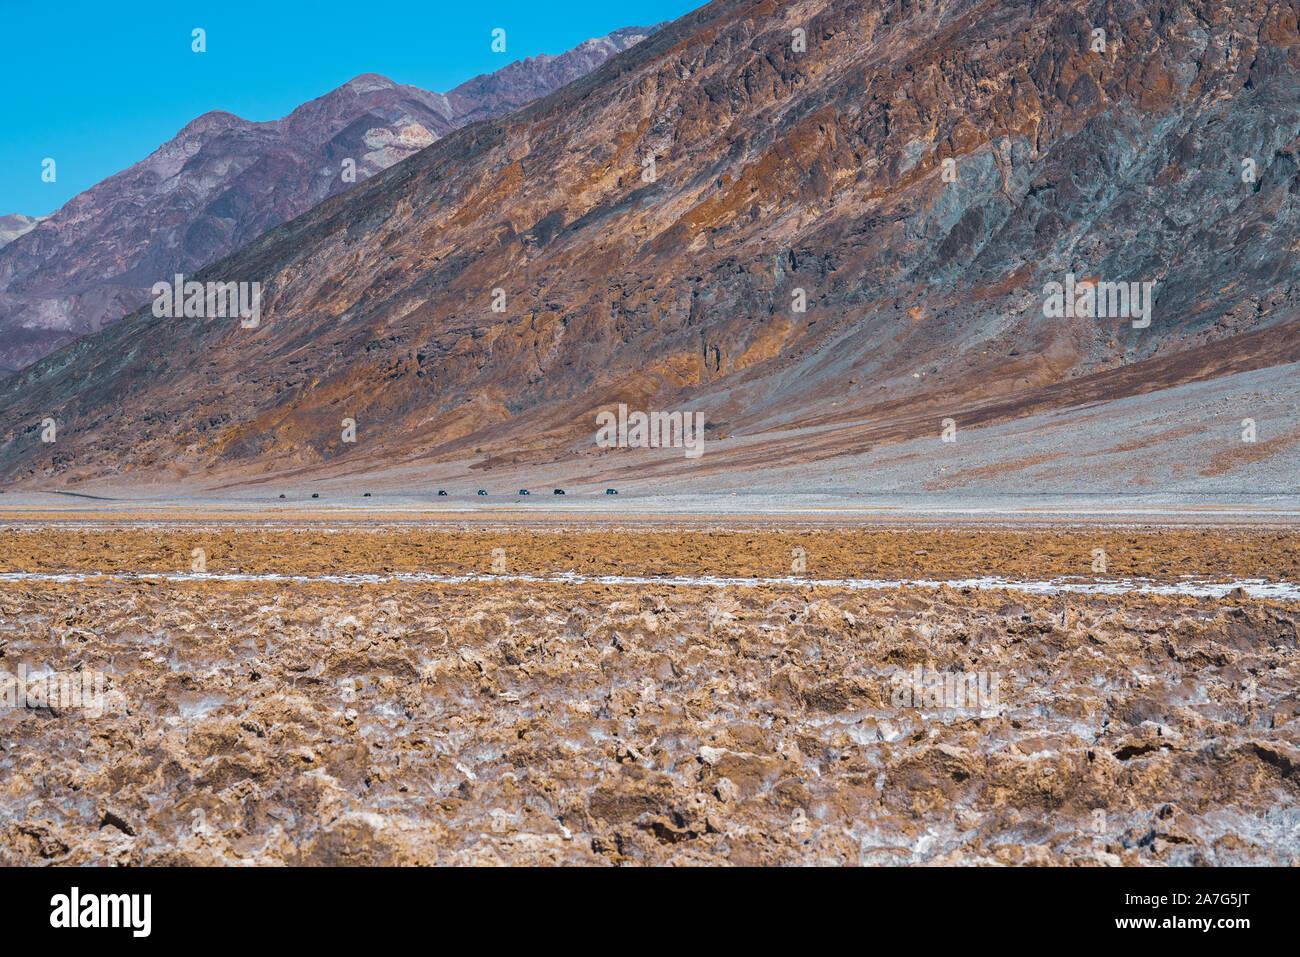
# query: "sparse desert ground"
[[481, 691]]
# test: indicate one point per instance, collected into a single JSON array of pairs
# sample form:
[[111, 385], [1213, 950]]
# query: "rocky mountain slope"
[[223, 181], [15, 225], [922, 172]]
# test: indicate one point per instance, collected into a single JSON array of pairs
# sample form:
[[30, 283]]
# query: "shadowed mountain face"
[[775, 169], [223, 181]]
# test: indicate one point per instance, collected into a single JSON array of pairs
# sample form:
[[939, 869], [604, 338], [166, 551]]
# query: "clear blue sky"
[[99, 85]]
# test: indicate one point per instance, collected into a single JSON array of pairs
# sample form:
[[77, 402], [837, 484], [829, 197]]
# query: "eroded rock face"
[[223, 181], [774, 171]]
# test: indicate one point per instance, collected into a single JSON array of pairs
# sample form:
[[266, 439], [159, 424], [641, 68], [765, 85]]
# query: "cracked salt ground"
[[399, 716], [1252, 587]]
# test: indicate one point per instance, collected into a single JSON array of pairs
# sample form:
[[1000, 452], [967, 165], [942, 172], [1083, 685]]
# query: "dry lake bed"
[[326, 690]]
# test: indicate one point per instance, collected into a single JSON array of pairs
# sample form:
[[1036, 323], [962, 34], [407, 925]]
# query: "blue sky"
[[98, 86]]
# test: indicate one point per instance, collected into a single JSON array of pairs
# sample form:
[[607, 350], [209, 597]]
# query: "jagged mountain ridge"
[[775, 170], [222, 181]]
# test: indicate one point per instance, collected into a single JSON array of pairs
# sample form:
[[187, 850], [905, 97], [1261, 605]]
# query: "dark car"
[[611, 491], [282, 495], [559, 491], [367, 495], [482, 491], [315, 494], [442, 491], [523, 491]]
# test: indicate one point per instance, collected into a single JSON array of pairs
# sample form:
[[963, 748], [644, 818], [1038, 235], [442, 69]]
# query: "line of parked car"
[[442, 492]]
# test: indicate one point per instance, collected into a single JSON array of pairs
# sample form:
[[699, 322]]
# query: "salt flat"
[[344, 688]]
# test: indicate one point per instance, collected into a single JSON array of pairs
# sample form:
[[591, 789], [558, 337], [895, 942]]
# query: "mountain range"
[[918, 176], [222, 181]]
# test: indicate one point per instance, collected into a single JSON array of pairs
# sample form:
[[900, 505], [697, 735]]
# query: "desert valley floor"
[[315, 688]]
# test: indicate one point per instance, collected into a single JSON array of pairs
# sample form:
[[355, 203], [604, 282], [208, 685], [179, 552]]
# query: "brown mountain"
[[775, 170], [223, 181]]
